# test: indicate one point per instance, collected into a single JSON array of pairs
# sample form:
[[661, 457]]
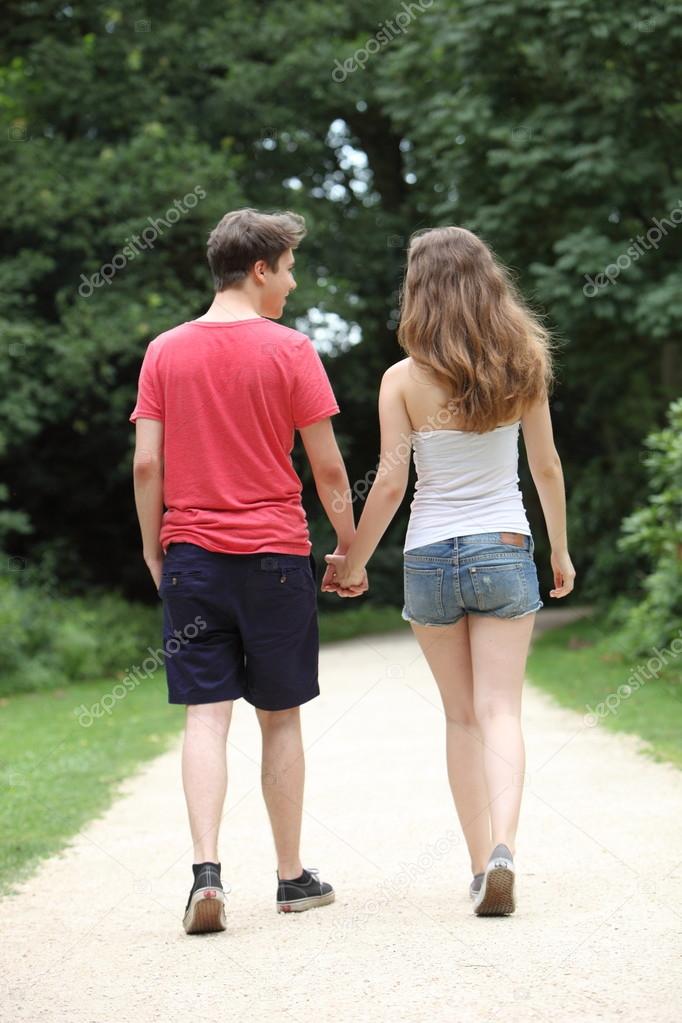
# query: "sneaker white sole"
[[206, 912], [496, 897], [299, 905]]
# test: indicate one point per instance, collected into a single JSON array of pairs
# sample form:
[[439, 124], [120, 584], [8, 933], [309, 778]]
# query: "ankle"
[[289, 872], [502, 841]]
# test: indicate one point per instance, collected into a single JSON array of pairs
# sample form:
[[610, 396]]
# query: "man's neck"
[[226, 309]]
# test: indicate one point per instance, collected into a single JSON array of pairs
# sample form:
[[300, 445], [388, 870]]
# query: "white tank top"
[[466, 483]]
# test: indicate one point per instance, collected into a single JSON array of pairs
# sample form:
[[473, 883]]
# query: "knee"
[[214, 716], [273, 720], [489, 710], [461, 715]]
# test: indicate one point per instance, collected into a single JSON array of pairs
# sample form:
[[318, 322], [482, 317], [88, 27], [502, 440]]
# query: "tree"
[[550, 128]]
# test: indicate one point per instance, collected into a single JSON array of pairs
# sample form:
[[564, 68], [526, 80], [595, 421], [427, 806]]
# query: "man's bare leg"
[[204, 774], [282, 778]]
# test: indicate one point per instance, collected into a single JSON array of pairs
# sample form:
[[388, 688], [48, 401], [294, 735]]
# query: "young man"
[[218, 401]]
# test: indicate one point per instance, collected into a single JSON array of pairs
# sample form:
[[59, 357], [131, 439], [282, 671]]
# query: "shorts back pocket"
[[424, 593], [500, 589]]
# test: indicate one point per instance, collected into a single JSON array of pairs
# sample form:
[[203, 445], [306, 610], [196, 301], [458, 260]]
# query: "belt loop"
[[313, 565]]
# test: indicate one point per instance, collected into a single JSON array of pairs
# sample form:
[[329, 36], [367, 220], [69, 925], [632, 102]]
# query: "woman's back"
[[426, 400], [467, 482]]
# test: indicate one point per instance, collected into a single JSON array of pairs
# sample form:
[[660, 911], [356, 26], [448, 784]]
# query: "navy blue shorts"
[[240, 625]]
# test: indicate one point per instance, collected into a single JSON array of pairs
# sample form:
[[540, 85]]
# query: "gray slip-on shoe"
[[496, 895]]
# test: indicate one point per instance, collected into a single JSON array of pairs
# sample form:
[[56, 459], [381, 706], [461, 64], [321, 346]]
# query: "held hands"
[[337, 578], [342, 578]]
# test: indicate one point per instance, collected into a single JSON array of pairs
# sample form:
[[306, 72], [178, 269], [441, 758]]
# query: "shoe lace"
[[315, 871]]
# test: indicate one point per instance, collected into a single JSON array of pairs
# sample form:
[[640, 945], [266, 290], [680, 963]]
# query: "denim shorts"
[[240, 625], [479, 574]]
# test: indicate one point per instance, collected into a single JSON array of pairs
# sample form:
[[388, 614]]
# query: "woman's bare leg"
[[446, 649], [499, 649]]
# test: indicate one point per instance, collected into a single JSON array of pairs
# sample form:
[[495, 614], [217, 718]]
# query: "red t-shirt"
[[230, 396]]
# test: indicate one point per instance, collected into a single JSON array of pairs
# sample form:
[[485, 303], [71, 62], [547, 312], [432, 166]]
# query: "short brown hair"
[[244, 236]]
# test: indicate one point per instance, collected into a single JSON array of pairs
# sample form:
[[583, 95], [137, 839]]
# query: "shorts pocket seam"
[[181, 581], [286, 578]]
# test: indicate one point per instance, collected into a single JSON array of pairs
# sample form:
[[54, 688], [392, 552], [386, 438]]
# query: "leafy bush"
[[50, 641], [655, 531]]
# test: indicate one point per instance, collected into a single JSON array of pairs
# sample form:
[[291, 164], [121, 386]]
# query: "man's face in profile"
[[278, 285]]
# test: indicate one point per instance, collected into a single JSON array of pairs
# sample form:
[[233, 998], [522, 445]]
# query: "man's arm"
[[333, 488], [148, 485], [331, 478]]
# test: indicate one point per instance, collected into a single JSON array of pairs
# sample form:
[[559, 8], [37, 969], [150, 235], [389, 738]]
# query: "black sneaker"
[[304, 892], [496, 897], [205, 909]]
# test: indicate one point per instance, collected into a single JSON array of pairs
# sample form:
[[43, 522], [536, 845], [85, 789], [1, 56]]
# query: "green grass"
[[57, 775], [579, 666]]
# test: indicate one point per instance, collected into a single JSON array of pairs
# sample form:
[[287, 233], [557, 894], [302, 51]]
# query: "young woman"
[[478, 365]]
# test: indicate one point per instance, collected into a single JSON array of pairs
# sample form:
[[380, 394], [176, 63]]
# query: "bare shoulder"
[[396, 375], [398, 368]]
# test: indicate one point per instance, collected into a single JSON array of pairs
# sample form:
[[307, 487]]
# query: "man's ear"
[[259, 268]]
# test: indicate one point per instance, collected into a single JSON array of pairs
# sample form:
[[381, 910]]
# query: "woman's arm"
[[548, 477], [389, 486]]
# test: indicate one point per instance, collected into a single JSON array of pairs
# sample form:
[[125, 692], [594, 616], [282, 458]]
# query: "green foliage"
[[559, 150], [51, 641], [654, 532]]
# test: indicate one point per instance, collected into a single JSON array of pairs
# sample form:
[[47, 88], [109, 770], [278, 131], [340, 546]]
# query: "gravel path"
[[96, 934]]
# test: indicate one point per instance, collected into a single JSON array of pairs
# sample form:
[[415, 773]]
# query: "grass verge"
[[580, 667], [58, 774]]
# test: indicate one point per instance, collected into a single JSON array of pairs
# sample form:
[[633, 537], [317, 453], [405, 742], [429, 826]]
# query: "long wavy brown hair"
[[463, 320]]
